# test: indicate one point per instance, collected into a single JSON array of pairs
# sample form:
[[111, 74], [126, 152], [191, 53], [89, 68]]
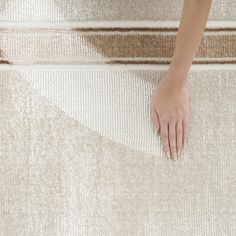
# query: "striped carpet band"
[[111, 45]]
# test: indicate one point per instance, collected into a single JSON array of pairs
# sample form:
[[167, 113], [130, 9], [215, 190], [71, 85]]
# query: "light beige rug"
[[78, 155]]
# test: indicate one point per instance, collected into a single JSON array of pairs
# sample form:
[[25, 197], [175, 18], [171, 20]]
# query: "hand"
[[169, 107]]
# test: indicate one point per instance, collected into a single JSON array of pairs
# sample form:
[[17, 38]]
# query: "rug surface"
[[78, 155]]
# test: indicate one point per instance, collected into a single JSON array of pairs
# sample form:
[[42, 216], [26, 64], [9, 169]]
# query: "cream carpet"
[[78, 155]]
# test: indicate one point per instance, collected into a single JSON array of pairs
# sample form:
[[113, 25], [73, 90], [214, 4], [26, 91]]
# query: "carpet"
[[78, 155]]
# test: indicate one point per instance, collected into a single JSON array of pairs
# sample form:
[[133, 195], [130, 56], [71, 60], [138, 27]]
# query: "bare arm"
[[169, 101], [192, 25]]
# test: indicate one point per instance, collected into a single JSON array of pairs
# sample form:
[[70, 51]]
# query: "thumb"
[[155, 119]]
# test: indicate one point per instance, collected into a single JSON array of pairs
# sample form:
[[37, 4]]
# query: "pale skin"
[[169, 103]]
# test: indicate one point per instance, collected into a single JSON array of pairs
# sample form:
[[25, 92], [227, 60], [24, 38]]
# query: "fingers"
[[165, 137], [179, 133], [172, 139], [173, 132], [158, 122], [172, 136], [155, 119], [185, 129]]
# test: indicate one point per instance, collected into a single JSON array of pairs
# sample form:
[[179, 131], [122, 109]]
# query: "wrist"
[[176, 78], [180, 71]]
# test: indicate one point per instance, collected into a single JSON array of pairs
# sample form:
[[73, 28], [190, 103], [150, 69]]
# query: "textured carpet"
[[78, 155]]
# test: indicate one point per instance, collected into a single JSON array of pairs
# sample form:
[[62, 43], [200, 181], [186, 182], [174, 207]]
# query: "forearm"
[[192, 25]]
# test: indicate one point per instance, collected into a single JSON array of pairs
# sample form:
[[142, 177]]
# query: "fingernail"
[[168, 154], [155, 129], [174, 156]]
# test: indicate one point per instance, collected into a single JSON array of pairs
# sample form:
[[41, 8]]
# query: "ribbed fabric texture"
[[100, 10]]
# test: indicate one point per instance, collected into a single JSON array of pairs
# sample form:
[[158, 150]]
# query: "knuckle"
[[179, 131], [179, 112], [185, 120], [185, 124], [164, 119], [172, 116], [165, 146], [179, 146], [164, 136], [172, 136]]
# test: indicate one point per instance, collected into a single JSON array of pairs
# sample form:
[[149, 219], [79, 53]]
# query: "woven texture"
[[76, 46], [90, 10], [78, 155]]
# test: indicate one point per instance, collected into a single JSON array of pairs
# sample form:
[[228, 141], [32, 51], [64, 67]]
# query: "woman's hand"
[[169, 107]]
